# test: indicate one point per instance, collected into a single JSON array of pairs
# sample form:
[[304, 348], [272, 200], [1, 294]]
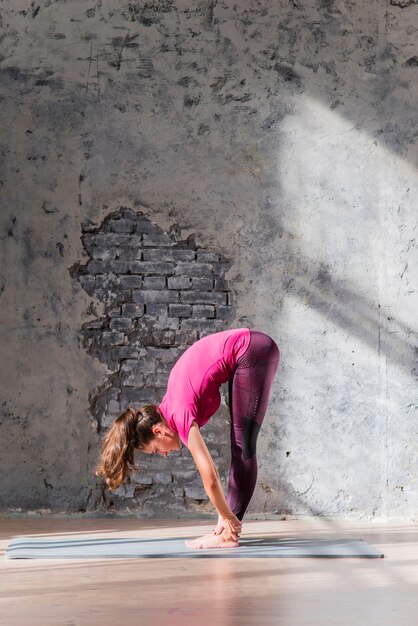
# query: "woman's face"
[[165, 441]]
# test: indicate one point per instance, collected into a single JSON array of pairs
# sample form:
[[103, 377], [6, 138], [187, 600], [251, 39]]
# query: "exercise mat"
[[105, 548]]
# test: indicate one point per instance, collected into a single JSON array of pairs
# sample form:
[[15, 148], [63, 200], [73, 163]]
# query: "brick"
[[107, 420], [120, 323], [123, 241], [156, 239], [129, 254], [113, 338], [156, 309], [224, 312], [132, 282], [178, 282], [157, 254], [159, 379], [119, 296], [221, 268], [210, 326], [165, 254], [203, 297], [88, 283], [104, 254], [154, 282], [194, 269], [142, 479], [184, 255], [133, 379], [124, 352], [101, 280], [148, 267], [158, 338], [221, 284], [88, 242], [202, 284], [112, 394], [137, 397], [180, 310], [96, 239], [122, 226], [207, 257], [164, 478], [133, 310], [165, 338], [187, 336], [152, 296], [144, 226], [185, 475], [96, 267], [133, 365], [196, 493], [119, 267], [203, 310], [163, 354], [167, 323], [113, 406]]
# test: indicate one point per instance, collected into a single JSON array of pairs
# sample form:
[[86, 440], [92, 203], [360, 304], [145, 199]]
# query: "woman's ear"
[[158, 430]]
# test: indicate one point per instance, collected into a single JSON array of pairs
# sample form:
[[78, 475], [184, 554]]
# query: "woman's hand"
[[228, 523], [219, 526], [231, 525]]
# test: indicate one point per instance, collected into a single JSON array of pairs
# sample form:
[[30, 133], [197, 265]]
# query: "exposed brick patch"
[[159, 297], [403, 3]]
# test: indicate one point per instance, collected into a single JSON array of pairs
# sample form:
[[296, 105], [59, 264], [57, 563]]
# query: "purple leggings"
[[249, 391]]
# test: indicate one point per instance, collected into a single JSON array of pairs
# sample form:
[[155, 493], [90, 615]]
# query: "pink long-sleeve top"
[[193, 385]]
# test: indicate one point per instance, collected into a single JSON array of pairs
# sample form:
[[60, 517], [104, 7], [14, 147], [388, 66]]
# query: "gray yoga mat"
[[105, 548]]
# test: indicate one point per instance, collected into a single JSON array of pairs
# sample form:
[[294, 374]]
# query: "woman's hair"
[[130, 431]]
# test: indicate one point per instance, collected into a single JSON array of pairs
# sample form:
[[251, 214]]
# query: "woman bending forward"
[[247, 360]]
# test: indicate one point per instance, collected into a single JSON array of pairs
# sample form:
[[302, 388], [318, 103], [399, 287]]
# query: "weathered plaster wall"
[[281, 136]]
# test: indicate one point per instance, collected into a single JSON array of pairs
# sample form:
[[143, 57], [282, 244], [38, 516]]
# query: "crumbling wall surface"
[[169, 168], [159, 297]]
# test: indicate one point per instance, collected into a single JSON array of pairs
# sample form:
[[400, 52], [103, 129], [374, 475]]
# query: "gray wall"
[[281, 137]]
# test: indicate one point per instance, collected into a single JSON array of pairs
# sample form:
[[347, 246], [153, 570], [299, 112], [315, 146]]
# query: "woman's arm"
[[210, 478]]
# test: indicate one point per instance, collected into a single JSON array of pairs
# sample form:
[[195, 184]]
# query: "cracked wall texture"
[[281, 137]]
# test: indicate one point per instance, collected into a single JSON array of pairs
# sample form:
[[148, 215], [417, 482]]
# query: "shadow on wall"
[[347, 308], [343, 306], [348, 57]]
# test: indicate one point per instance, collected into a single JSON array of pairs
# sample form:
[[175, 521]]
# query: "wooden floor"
[[211, 592]]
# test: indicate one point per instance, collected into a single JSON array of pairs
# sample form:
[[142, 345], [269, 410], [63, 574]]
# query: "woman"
[[247, 360]]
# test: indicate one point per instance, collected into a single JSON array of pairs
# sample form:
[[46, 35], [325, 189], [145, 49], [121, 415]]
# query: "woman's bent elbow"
[[211, 483]]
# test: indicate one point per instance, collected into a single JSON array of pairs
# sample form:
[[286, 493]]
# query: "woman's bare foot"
[[202, 538], [212, 541], [205, 537]]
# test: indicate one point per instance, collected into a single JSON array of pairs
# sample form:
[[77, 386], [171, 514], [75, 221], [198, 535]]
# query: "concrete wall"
[[281, 137]]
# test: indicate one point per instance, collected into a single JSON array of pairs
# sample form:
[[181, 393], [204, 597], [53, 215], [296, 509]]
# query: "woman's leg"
[[249, 392]]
